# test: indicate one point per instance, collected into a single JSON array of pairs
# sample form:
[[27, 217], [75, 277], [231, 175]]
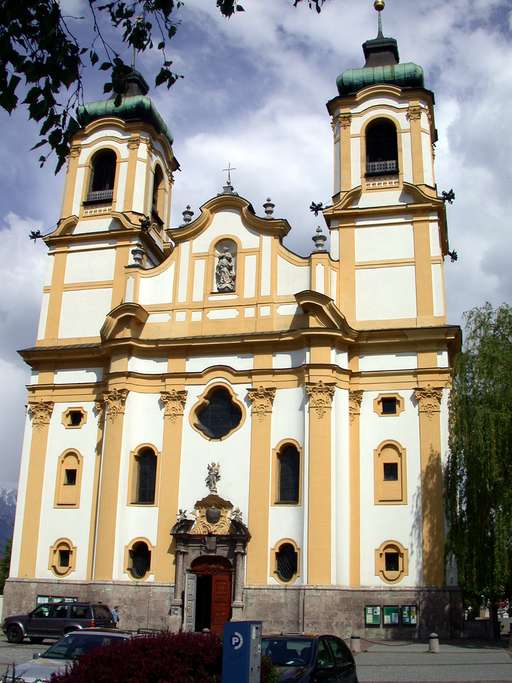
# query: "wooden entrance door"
[[221, 601], [218, 571]]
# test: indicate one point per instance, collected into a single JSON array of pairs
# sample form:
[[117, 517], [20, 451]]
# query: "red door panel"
[[221, 601]]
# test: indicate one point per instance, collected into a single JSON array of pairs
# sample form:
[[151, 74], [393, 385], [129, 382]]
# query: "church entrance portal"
[[213, 593]]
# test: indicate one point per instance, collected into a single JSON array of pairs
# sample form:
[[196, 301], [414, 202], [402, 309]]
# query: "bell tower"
[[388, 226], [115, 211]]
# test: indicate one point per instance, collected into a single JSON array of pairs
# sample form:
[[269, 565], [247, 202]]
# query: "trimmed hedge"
[[159, 658]]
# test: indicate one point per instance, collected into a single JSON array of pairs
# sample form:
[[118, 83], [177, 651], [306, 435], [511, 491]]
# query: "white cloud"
[[254, 94]]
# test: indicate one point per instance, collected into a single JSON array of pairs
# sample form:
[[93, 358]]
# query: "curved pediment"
[[125, 320], [278, 227], [324, 312]]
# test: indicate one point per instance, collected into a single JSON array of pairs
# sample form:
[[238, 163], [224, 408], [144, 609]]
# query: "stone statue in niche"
[[225, 272]]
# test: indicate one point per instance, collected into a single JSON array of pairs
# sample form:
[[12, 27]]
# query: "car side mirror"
[[325, 666], [36, 655]]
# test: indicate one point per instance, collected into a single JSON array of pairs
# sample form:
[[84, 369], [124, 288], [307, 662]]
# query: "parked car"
[[310, 658], [54, 620], [62, 654]]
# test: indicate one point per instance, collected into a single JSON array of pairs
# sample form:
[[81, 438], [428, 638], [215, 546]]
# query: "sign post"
[[241, 652]]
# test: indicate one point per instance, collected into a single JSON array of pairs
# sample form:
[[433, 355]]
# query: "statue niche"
[[225, 266]]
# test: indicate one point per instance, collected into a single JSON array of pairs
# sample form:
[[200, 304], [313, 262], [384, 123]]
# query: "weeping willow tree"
[[479, 468]]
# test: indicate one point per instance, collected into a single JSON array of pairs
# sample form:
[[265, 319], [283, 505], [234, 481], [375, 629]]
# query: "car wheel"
[[36, 641], [14, 633]]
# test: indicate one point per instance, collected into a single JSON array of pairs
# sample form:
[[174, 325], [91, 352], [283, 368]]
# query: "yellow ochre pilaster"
[[319, 504], [262, 399], [347, 279], [98, 409], [355, 398], [41, 413], [55, 299], [174, 403], [424, 285], [414, 116], [114, 407], [429, 407], [133, 151]]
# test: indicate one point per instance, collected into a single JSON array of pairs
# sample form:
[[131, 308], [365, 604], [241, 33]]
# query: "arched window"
[[288, 474], [381, 148], [158, 197], [286, 562], [103, 174], [225, 266], [139, 559], [145, 484], [69, 476], [390, 474], [217, 414]]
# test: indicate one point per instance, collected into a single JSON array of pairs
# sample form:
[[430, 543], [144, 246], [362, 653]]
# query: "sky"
[[253, 93]]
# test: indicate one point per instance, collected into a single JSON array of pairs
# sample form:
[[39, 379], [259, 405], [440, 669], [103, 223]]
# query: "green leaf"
[[93, 57], [39, 144], [161, 45], [105, 66], [107, 87]]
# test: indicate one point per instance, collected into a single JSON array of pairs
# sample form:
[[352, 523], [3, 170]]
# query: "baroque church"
[[218, 428]]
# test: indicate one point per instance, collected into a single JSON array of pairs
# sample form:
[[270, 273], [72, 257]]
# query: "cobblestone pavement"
[[412, 663]]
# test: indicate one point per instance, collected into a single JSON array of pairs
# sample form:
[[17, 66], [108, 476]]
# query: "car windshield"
[[287, 651], [77, 644]]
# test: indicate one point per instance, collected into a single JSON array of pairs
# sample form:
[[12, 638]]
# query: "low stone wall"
[[341, 611], [141, 605], [291, 609]]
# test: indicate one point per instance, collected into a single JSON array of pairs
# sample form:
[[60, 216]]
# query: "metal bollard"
[[433, 643], [355, 644]]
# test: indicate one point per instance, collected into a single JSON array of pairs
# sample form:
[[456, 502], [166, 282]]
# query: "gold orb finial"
[[379, 5]]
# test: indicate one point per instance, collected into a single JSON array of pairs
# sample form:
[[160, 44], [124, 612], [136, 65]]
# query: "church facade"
[[219, 428]]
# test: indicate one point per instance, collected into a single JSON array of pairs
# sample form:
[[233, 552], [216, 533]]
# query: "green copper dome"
[[407, 75], [135, 106]]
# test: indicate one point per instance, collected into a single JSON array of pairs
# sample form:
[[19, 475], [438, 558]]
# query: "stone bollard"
[[433, 643], [355, 644]]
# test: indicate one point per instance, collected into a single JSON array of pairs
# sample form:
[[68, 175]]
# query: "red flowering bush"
[[161, 658]]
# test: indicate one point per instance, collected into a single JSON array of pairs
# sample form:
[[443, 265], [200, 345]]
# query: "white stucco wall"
[[82, 267], [385, 293], [291, 278], [288, 521], [134, 521], [158, 288], [340, 489], [382, 243], [381, 523], [224, 224], [83, 312], [20, 504], [63, 522]]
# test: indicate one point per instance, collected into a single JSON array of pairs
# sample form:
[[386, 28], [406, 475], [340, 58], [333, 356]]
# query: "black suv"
[[310, 658], [54, 620]]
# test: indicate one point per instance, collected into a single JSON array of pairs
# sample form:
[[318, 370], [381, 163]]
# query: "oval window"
[[286, 562], [140, 560]]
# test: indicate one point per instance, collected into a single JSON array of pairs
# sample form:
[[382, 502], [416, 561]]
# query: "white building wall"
[[291, 278], [385, 293], [288, 521], [158, 288], [43, 316], [134, 521], [80, 267], [63, 522], [381, 523], [233, 455], [20, 503], [384, 242], [83, 312]]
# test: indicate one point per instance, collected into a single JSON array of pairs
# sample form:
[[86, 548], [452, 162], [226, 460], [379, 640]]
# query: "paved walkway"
[[412, 663]]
